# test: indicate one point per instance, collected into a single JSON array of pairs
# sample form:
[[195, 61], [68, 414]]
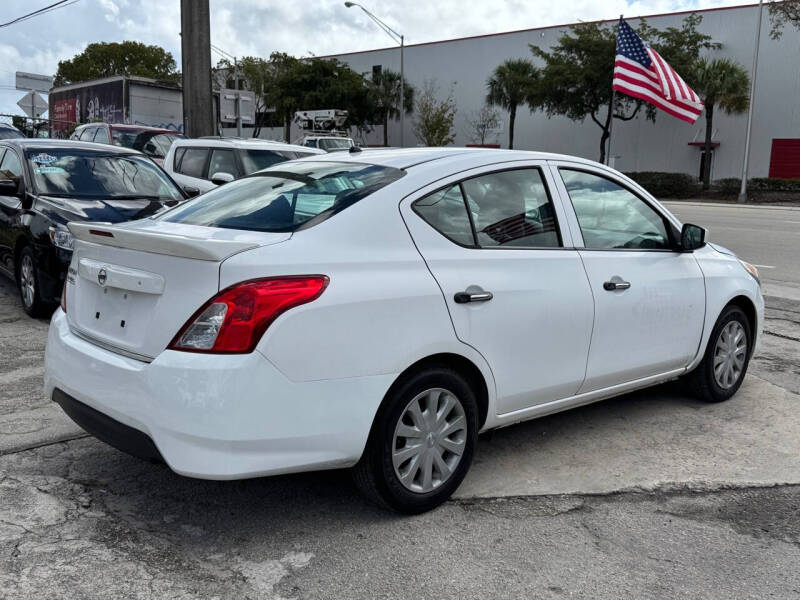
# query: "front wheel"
[[721, 372], [28, 284], [421, 444]]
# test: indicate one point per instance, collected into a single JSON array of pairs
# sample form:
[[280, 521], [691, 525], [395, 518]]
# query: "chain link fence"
[[40, 128]]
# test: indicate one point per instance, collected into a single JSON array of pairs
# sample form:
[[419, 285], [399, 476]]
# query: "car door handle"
[[610, 286], [465, 297]]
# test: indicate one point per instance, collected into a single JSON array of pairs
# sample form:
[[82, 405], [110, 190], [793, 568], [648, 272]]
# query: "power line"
[[41, 11]]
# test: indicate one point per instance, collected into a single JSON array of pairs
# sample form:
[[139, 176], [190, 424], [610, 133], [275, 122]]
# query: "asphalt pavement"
[[650, 495]]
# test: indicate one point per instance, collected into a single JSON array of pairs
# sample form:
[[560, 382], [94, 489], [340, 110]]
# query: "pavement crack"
[[79, 436], [782, 335]]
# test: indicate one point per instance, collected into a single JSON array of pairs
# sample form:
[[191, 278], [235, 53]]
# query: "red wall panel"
[[784, 161]]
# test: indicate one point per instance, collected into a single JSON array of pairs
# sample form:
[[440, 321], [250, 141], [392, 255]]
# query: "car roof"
[[405, 158], [47, 143], [133, 127], [244, 143]]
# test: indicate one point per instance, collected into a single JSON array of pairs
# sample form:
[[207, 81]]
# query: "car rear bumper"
[[211, 416]]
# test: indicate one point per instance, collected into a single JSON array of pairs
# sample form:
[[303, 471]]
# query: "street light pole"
[[400, 40], [743, 189]]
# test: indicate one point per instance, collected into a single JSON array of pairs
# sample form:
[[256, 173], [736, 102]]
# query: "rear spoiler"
[[159, 243]]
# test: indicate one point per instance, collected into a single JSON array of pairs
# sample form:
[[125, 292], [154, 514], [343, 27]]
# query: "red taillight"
[[234, 320]]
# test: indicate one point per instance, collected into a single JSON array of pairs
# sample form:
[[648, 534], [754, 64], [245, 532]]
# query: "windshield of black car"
[[285, 198], [83, 173]]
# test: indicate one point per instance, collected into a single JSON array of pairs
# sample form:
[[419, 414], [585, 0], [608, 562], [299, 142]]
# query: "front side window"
[[610, 216], [101, 137], [286, 197], [86, 174], [11, 167], [193, 163], [255, 160], [222, 161]]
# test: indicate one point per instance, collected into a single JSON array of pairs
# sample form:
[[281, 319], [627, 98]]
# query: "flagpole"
[[611, 108], [743, 189]]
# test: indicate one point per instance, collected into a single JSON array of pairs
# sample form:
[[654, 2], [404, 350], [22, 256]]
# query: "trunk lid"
[[132, 286]]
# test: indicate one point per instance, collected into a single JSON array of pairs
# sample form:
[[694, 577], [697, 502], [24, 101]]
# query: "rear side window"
[[286, 197], [194, 162], [505, 209]]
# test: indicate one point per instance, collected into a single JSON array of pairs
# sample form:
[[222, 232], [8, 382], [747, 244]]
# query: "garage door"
[[785, 159]]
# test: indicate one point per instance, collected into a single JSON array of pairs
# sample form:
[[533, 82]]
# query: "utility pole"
[[746, 159], [238, 98], [198, 108]]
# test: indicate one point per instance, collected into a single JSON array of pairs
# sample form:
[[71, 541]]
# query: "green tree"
[[386, 95], [781, 14], [576, 79], [509, 86], [723, 83], [106, 59], [434, 123]]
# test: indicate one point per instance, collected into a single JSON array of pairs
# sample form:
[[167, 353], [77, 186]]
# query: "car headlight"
[[751, 269], [61, 238]]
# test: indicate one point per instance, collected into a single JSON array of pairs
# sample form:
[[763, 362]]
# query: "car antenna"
[[355, 149]]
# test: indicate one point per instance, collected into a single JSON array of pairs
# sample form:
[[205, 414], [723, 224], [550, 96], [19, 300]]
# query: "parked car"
[[377, 310], [153, 142], [206, 163], [329, 143], [9, 132], [44, 184]]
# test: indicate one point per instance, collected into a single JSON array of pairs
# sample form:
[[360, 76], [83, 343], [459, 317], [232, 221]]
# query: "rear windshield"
[[286, 197], [86, 174], [335, 143]]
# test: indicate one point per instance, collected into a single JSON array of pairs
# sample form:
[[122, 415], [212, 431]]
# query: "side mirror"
[[9, 187], [692, 237], [191, 191], [221, 178]]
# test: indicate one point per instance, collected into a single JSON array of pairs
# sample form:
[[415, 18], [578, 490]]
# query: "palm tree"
[[386, 86], [509, 86], [724, 83]]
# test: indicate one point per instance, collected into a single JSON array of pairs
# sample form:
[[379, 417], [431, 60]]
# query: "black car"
[[44, 184]]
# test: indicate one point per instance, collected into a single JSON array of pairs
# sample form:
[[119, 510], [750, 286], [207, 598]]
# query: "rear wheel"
[[724, 365], [28, 283], [421, 444]]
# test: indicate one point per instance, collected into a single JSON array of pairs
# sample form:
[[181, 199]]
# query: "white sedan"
[[379, 309]]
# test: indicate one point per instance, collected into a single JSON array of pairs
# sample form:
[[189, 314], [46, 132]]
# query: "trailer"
[[120, 99]]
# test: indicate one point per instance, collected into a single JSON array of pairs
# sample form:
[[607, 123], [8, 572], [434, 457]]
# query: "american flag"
[[640, 72]]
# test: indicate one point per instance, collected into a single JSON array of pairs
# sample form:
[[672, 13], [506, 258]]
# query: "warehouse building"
[[638, 145]]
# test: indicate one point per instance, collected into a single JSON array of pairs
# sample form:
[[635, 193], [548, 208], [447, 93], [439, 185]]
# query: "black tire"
[[31, 301], [375, 474], [702, 382]]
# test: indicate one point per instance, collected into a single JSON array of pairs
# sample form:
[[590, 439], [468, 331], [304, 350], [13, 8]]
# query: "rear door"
[[514, 286], [649, 299]]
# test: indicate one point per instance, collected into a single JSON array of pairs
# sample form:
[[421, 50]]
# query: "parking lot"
[[653, 494]]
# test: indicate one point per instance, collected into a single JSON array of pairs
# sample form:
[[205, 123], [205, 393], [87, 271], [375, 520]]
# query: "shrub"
[[728, 186], [773, 184], [667, 185]]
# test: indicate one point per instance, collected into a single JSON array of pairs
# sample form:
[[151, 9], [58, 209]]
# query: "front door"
[[515, 289], [649, 299]]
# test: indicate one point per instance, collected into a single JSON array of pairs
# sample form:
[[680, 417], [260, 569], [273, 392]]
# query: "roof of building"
[[530, 29]]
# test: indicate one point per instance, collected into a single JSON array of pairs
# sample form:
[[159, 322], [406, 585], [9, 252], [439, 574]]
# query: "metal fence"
[[40, 128]]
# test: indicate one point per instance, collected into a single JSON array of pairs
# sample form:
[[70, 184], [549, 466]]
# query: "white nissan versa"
[[378, 309]]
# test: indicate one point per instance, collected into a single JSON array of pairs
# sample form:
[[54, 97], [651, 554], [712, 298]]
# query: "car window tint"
[[194, 162], [610, 216], [512, 208], [11, 166], [177, 158], [101, 137], [446, 212], [255, 160], [222, 161]]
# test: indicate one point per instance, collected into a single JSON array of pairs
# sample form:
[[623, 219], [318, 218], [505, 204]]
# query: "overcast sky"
[[301, 28]]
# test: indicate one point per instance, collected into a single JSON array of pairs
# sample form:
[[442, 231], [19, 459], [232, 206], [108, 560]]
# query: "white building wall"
[[639, 144]]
